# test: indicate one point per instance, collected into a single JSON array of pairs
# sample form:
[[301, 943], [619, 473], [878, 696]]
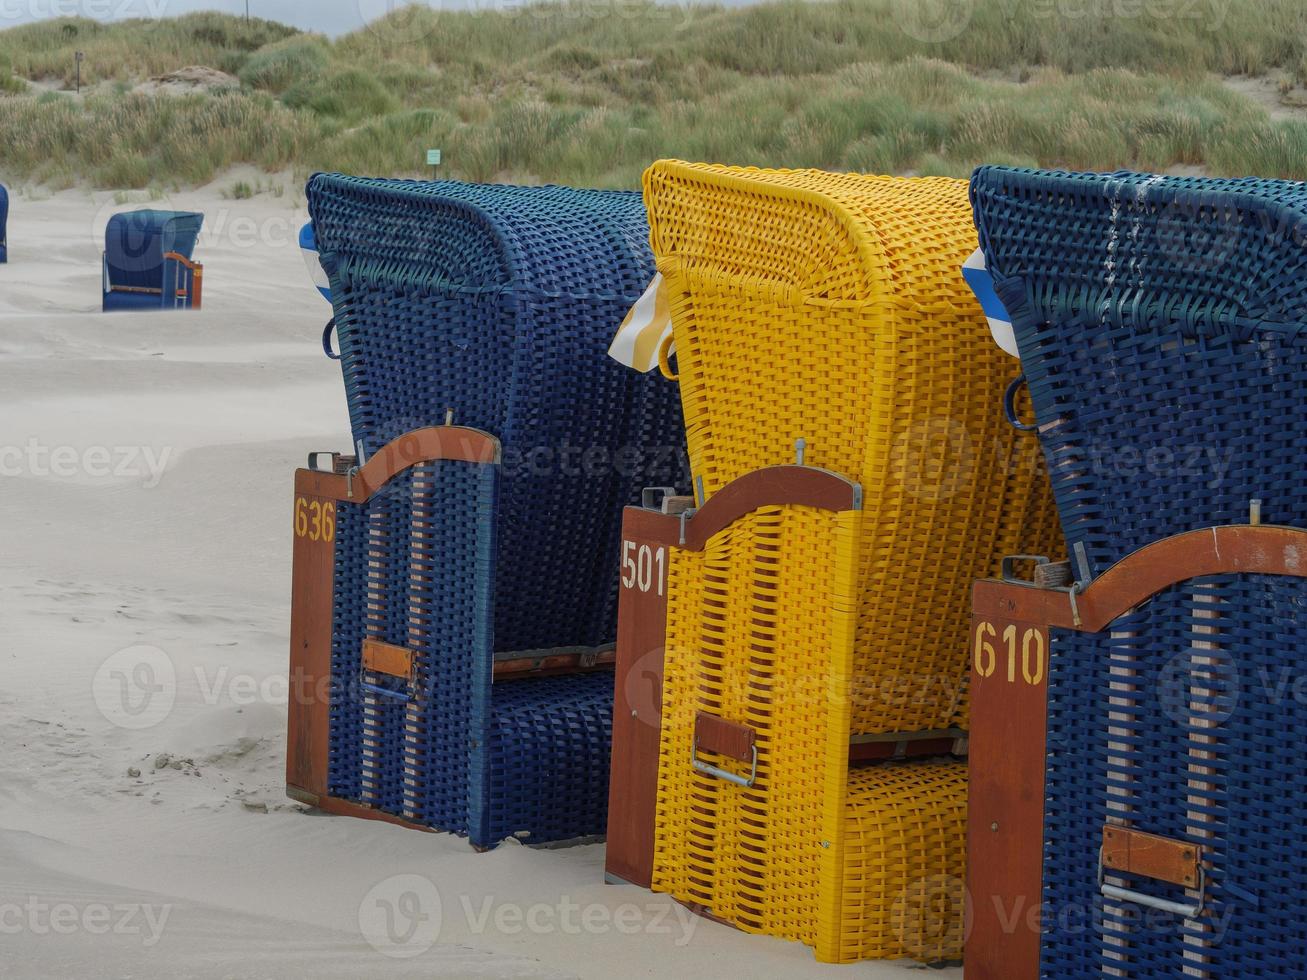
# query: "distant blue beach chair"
[[4, 224], [147, 261]]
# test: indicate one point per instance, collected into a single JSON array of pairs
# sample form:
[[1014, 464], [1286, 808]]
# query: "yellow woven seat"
[[831, 308], [760, 635]]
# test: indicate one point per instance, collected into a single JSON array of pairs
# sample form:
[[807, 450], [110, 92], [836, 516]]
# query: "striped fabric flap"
[[643, 331]]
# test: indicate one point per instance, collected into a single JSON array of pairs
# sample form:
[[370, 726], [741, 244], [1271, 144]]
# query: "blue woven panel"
[[1181, 720], [1159, 322], [499, 303], [448, 594], [413, 567], [344, 754], [543, 772]]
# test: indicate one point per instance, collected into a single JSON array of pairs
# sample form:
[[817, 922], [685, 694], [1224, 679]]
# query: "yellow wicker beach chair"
[[825, 316]]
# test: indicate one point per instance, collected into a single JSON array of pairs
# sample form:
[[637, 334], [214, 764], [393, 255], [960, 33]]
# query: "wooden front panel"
[[1005, 823], [313, 528], [637, 702]]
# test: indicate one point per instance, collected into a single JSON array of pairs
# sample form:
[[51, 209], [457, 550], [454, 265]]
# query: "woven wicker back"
[[831, 308], [497, 304], [1160, 326]]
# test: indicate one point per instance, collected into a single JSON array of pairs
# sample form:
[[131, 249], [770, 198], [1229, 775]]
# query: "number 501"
[[643, 567]]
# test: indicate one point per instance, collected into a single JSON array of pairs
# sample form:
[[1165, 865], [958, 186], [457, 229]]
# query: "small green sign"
[[433, 158]]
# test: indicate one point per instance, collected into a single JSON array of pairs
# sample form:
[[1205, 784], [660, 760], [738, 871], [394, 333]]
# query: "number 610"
[[1033, 653]]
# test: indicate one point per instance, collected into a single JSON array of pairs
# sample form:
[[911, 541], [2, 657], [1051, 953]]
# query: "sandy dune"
[[145, 467]]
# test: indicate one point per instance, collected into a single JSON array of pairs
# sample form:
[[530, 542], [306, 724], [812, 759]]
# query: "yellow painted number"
[[1028, 649], [985, 656], [315, 520]]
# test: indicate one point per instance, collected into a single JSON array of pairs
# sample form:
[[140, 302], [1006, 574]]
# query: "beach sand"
[[145, 466]]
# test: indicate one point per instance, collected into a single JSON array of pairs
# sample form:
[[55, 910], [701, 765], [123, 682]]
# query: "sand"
[[145, 470]]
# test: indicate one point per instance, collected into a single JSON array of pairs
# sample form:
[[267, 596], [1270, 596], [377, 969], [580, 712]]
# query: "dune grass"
[[589, 92]]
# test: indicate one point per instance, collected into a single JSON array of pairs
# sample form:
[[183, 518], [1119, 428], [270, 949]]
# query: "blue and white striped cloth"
[[309, 249], [978, 278]]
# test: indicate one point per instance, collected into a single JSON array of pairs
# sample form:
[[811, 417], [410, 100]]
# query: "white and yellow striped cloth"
[[645, 329]]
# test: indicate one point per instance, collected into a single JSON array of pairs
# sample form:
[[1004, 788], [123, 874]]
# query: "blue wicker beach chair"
[[1159, 322], [494, 584], [147, 262], [1160, 327], [4, 224]]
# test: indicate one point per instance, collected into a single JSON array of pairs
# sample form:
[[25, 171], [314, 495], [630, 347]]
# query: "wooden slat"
[[1161, 858], [1261, 549], [419, 446], [545, 665], [386, 658], [728, 738]]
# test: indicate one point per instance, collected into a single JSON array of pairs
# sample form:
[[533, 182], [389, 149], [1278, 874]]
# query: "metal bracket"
[[1075, 590], [1187, 910], [314, 457], [730, 777], [685, 517], [1009, 565], [650, 499]]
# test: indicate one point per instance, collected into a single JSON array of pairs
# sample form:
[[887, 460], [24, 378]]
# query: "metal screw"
[[993, 828]]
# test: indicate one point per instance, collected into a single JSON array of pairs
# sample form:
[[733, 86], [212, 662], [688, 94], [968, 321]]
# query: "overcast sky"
[[328, 16]]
